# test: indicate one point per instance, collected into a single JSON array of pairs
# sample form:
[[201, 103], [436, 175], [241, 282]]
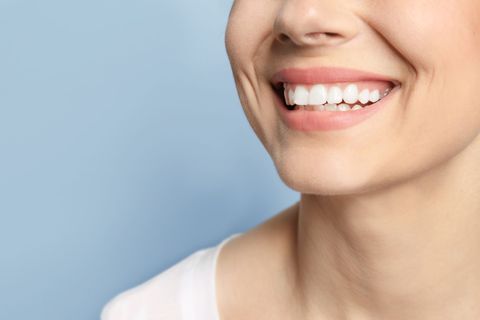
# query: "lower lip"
[[307, 120]]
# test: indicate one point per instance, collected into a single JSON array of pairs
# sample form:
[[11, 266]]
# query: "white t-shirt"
[[185, 291]]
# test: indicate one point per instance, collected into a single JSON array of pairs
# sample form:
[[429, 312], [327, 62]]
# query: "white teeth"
[[318, 95], [343, 107], [285, 96], [374, 96], [364, 96], [350, 94], [331, 107], [321, 94], [334, 95], [291, 96], [301, 96]]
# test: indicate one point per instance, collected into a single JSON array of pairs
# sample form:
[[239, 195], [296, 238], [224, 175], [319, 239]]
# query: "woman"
[[371, 110]]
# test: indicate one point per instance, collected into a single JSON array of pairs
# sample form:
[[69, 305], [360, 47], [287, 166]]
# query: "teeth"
[[331, 107], [301, 96], [386, 92], [321, 94], [334, 95], [291, 97], [364, 96], [350, 94], [343, 107], [318, 95], [374, 96]]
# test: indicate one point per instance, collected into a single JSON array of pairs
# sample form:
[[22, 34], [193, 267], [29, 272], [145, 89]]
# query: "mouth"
[[330, 98]]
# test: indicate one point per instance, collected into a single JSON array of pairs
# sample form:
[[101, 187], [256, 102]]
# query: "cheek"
[[250, 22], [428, 32], [441, 104], [247, 39]]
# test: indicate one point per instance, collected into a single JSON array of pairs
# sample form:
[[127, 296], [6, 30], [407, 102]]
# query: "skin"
[[388, 225]]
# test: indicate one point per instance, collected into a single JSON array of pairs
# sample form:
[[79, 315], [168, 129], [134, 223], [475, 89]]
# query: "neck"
[[411, 251]]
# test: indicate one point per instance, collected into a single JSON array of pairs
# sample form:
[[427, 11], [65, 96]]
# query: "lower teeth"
[[329, 107]]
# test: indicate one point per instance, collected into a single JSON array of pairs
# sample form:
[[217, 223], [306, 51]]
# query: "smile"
[[330, 98]]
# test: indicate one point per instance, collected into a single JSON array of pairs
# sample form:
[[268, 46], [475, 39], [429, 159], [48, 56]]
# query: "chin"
[[321, 185], [308, 177]]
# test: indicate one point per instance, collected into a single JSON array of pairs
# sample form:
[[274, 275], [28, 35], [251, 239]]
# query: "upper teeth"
[[320, 94]]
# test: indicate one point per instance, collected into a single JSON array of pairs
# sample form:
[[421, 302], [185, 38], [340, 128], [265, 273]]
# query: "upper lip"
[[326, 75]]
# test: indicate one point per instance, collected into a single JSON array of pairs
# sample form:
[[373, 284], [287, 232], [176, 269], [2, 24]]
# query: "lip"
[[327, 75]]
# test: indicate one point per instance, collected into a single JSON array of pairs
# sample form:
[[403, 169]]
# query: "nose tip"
[[313, 23]]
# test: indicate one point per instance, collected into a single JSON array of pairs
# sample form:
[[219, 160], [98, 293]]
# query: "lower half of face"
[[431, 117]]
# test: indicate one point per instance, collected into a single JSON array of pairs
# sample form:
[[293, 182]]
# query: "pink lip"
[[326, 75]]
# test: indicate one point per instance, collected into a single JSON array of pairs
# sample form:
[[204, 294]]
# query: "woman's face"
[[430, 49]]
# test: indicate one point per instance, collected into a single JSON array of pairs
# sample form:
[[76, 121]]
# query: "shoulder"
[[250, 264], [159, 298]]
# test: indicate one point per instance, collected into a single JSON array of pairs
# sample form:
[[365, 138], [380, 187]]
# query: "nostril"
[[324, 38], [321, 35], [283, 37]]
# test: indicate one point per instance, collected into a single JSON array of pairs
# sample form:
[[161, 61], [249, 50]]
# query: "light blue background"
[[123, 149]]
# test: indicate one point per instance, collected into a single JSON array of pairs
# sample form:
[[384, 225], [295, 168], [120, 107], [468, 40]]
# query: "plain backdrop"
[[123, 149]]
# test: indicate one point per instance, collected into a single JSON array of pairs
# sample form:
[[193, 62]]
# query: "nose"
[[314, 23]]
